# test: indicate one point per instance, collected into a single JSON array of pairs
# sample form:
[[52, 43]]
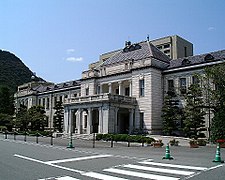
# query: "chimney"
[[127, 43]]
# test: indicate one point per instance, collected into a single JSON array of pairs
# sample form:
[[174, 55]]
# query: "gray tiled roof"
[[42, 88], [198, 59], [147, 50]]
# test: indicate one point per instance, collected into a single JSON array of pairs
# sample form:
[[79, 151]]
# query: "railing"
[[102, 97]]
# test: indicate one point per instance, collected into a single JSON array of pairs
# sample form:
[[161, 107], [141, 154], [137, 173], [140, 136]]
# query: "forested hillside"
[[13, 71]]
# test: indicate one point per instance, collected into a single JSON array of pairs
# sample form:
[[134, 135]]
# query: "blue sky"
[[57, 39]]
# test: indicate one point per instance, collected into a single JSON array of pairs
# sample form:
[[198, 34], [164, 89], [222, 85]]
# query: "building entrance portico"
[[113, 114]]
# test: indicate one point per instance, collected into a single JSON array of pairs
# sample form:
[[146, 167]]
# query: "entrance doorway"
[[95, 120], [123, 121]]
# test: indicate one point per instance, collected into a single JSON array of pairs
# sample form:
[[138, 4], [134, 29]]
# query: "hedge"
[[125, 138]]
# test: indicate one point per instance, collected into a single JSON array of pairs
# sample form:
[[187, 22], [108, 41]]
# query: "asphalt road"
[[28, 160]]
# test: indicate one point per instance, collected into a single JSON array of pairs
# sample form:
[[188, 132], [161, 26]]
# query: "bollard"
[[93, 140], [25, 136], [37, 137], [14, 135], [128, 142], [51, 139], [6, 134], [111, 142], [142, 142]]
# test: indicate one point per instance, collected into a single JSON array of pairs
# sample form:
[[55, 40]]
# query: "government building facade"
[[123, 92]]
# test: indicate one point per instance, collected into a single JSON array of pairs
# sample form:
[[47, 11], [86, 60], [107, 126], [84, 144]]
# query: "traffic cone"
[[167, 154], [217, 156]]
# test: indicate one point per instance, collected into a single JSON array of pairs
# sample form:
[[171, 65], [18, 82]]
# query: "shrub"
[[99, 137], [201, 142], [125, 138], [174, 142]]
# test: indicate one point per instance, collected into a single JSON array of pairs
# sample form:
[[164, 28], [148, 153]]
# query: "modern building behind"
[[174, 46], [123, 92]]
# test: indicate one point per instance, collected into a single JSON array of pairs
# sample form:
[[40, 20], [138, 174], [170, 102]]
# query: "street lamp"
[[70, 145]]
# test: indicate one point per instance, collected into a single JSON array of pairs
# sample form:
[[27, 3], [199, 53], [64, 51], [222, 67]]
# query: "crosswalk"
[[142, 170]]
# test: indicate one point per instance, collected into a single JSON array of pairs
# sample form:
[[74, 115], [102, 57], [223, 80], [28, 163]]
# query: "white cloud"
[[69, 51], [211, 28], [74, 59]]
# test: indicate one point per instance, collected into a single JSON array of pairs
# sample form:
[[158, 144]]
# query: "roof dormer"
[[186, 62], [209, 57]]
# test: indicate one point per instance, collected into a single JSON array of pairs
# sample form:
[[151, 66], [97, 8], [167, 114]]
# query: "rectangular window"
[[60, 98], [87, 91], [117, 91], [185, 51], [195, 80], [127, 91], [167, 51], [170, 85], [126, 66], [39, 102], [159, 47], [43, 102], [142, 120], [85, 121], [183, 86], [47, 105], [166, 45], [141, 87]]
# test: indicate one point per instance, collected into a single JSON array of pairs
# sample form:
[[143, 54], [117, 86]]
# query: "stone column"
[[89, 122], [110, 88], [100, 120], [79, 121], [66, 120], [70, 119], [131, 120], [130, 86], [116, 120], [120, 88]]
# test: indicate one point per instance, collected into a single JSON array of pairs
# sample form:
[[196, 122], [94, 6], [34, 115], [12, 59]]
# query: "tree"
[[22, 119], [37, 118], [170, 114], [218, 126], [214, 85], [6, 121], [6, 101], [193, 112], [58, 117]]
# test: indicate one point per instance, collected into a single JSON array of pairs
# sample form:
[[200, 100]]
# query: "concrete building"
[[174, 46], [121, 93]]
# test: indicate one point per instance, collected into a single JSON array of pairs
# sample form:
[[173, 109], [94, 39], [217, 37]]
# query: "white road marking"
[[53, 165], [102, 176], [214, 167], [175, 166], [60, 178], [66, 178], [77, 159], [138, 174], [169, 171]]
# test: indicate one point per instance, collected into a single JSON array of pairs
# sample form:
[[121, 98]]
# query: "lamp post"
[[70, 145]]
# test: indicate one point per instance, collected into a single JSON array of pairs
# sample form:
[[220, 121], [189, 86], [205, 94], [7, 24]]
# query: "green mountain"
[[13, 72]]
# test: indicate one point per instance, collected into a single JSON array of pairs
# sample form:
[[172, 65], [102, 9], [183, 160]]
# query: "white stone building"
[[121, 93]]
